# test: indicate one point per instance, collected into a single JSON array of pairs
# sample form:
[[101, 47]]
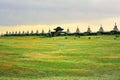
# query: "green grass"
[[58, 58]]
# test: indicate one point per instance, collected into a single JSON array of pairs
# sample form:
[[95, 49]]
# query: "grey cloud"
[[14, 12]]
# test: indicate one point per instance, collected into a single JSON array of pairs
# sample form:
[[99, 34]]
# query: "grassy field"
[[60, 58]]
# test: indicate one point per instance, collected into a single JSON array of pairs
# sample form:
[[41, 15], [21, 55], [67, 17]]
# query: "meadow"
[[60, 58]]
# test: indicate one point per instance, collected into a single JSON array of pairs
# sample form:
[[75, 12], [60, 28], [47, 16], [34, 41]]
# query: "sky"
[[26, 15]]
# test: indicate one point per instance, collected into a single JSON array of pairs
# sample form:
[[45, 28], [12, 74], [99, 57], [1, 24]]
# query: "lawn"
[[60, 58]]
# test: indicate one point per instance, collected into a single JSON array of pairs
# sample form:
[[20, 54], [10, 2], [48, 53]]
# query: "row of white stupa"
[[100, 30], [68, 31]]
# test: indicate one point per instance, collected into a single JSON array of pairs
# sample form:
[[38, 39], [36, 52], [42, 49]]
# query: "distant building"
[[77, 30], [115, 29], [12, 32], [89, 30], [42, 31], [19, 32], [68, 31], [23, 32], [101, 29], [37, 32], [27, 32], [7, 32], [49, 31], [32, 31], [16, 32], [58, 32]]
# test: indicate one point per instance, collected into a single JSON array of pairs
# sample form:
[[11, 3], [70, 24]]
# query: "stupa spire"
[[101, 29], [68, 31], [89, 30], [42, 31], [77, 30], [115, 27], [49, 31]]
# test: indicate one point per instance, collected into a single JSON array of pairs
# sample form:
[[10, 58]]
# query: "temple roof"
[[58, 28]]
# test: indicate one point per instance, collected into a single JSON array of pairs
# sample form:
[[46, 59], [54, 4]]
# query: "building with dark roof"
[[58, 32]]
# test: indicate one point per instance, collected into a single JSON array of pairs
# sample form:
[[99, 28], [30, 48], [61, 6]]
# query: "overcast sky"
[[16, 15], [31, 12]]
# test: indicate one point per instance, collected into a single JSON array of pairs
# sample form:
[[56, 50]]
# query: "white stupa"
[[115, 28], [89, 30], [101, 29], [77, 30]]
